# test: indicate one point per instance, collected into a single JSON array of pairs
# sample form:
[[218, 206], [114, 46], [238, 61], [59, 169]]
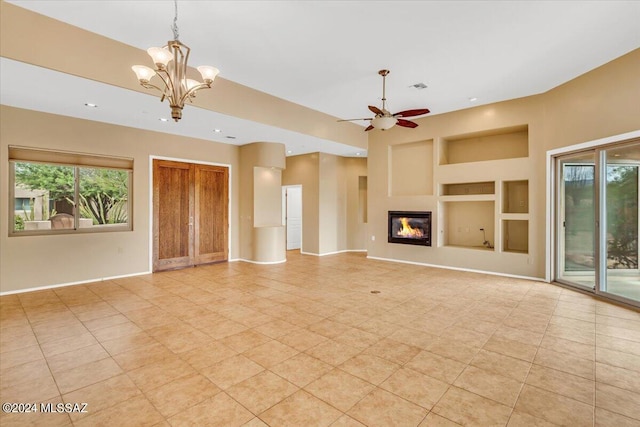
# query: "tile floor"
[[306, 343]]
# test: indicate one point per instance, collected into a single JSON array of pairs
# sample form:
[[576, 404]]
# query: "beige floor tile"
[[617, 400], [231, 371], [436, 366], [573, 348], [520, 335], [38, 390], [415, 387], [566, 363], [105, 322], [332, 352], [71, 359], [27, 372], [276, 328], [606, 418], [470, 409], [181, 394], [301, 369], [618, 332], [301, 409], [160, 373], [500, 364], [328, 328], [271, 353], [302, 339], [381, 408], [116, 331], [44, 419], [454, 349], [393, 351], [261, 391], [20, 356], [413, 338], [559, 382], [52, 348], [434, 420], [142, 356], [207, 355], [490, 385], [358, 338], [87, 374], [521, 419], [340, 389], [467, 336], [128, 343], [511, 348], [554, 408], [183, 341], [46, 333], [370, 368], [347, 421], [618, 344], [102, 395], [245, 340], [618, 358], [134, 412], [618, 377], [255, 422], [572, 334]]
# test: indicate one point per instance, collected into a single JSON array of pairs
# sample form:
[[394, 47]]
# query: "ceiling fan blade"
[[375, 110], [351, 120], [406, 123], [368, 128], [412, 113]]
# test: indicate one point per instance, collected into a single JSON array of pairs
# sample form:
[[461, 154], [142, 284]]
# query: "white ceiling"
[[326, 54]]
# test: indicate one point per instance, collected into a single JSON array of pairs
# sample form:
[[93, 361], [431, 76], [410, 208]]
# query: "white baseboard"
[[333, 253], [82, 282], [469, 270], [259, 262]]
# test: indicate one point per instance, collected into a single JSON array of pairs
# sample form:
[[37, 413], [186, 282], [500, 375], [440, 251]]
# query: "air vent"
[[419, 86]]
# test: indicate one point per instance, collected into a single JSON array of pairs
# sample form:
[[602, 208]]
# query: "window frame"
[[77, 161]]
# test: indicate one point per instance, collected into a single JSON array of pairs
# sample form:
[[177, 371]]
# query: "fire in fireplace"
[[409, 227]]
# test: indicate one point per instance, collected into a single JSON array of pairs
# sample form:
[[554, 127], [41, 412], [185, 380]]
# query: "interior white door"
[[294, 217]]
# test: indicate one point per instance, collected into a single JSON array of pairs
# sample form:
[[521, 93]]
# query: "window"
[[59, 192]]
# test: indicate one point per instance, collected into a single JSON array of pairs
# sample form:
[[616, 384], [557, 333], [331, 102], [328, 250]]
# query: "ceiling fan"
[[383, 119]]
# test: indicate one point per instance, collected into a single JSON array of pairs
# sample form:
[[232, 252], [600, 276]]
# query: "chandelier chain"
[[174, 27]]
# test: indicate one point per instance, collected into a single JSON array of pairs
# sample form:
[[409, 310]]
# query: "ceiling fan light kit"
[[171, 67], [383, 119]]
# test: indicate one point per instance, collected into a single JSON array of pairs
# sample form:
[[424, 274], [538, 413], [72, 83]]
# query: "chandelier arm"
[[167, 91], [191, 92]]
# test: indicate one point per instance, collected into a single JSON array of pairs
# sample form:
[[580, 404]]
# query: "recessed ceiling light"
[[217, 130], [230, 137], [473, 99], [357, 154], [289, 151], [90, 105], [162, 119]]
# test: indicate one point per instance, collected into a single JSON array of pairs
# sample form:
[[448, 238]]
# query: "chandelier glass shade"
[[171, 68]]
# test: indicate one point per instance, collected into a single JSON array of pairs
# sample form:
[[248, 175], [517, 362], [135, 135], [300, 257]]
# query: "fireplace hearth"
[[410, 227]]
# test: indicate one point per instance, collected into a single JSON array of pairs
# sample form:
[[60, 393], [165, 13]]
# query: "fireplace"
[[410, 228]]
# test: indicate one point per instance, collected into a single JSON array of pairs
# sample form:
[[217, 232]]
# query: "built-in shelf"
[[468, 224], [468, 188], [495, 144], [515, 236], [515, 196]]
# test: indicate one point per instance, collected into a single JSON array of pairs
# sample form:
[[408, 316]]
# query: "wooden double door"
[[190, 214]]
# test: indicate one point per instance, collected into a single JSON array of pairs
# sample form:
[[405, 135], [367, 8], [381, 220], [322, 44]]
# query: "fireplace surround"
[[410, 227]]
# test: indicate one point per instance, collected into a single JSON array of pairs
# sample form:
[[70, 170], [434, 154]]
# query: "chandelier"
[[171, 68]]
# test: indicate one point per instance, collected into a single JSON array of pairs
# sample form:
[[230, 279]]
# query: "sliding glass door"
[[597, 221], [622, 277], [577, 202]]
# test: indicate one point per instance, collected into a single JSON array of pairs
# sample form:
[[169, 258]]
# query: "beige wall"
[[331, 215], [34, 261], [603, 102], [304, 170], [261, 201]]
